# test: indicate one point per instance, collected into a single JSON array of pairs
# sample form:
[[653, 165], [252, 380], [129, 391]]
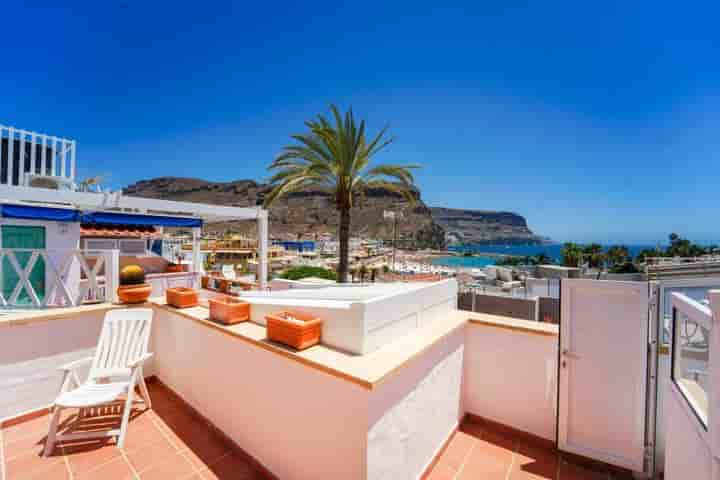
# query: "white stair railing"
[[62, 277]]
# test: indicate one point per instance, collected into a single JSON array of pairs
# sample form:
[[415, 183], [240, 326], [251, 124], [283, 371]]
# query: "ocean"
[[551, 250]]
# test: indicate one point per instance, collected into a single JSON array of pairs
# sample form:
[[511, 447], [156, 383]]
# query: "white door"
[[603, 370]]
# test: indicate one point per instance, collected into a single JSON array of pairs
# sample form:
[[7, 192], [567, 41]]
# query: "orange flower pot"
[[224, 285], [296, 329], [174, 268], [228, 310], [134, 293], [204, 281], [181, 297]]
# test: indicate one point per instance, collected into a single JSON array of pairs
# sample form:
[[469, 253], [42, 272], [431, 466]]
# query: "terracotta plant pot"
[[181, 297], [134, 293], [228, 310], [224, 285], [174, 268], [204, 281], [296, 329]]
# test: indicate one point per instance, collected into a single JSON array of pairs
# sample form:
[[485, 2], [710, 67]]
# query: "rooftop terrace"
[[453, 395]]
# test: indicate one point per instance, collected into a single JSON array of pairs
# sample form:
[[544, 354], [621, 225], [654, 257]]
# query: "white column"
[[33, 154], [112, 273], [73, 148], [11, 155], [196, 261], [63, 157], [43, 156], [21, 169], [262, 270]]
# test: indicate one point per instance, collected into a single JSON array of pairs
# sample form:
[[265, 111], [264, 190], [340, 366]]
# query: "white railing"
[[662, 261], [692, 332], [26, 154], [62, 285]]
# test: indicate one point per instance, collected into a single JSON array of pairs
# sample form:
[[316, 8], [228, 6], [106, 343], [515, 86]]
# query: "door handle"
[[570, 354]]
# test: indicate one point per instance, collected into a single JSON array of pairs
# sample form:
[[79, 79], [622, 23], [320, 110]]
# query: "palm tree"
[[335, 156], [542, 259], [594, 255], [617, 255], [571, 254]]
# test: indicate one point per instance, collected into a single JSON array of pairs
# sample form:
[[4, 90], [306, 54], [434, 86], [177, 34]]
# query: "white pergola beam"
[[105, 202], [149, 206]]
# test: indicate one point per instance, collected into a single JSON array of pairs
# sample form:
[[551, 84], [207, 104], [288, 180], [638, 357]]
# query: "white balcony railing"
[[692, 329], [45, 278], [25, 154]]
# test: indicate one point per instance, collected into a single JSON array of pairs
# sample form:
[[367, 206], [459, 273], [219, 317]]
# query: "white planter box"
[[361, 319]]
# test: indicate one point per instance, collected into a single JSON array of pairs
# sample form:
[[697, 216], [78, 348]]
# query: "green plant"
[[571, 255], [627, 267], [132, 275], [362, 272], [298, 273], [594, 255], [336, 158]]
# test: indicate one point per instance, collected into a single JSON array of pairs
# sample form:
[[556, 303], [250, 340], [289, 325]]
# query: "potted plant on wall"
[[133, 288], [294, 328], [181, 297], [228, 310], [177, 266]]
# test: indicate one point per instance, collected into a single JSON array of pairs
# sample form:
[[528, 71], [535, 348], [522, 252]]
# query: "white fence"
[[66, 277], [26, 153]]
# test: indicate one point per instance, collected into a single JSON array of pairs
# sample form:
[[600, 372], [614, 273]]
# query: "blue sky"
[[596, 122]]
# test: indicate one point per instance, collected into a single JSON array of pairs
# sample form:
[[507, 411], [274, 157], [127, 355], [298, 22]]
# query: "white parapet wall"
[[32, 348], [415, 412], [302, 422], [510, 373], [361, 319]]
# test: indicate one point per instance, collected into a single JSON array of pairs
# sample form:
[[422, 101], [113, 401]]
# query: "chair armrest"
[[76, 363], [140, 360]]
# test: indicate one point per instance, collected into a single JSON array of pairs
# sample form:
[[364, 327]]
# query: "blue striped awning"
[[109, 218], [30, 212]]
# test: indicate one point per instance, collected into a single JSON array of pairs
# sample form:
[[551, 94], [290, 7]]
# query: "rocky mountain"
[[301, 214], [483, 226], [311, 212]]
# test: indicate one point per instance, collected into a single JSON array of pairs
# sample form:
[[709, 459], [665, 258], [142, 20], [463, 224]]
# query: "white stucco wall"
[[58, 235], [510, 377], [414, 412], [687, 453], [31, 353], [298, 422], [358, 324]]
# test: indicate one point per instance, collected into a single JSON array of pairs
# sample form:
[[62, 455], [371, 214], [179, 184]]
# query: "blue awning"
[[29, 212], [107, 218]]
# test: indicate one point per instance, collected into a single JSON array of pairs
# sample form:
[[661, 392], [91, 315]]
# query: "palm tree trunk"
[[344, 236]]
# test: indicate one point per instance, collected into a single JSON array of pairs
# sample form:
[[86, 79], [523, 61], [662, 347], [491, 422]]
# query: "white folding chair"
[[116, 368]]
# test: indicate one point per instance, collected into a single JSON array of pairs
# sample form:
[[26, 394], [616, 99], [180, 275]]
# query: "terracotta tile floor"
[[478, 452], [166, 442]]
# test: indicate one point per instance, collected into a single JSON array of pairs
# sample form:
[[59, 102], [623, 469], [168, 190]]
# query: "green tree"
[[305, 271], [646, 253], [682, 247], [542, 259], [335, 156], [571, 254], [617, 255], [594, 255], [362, 272]]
